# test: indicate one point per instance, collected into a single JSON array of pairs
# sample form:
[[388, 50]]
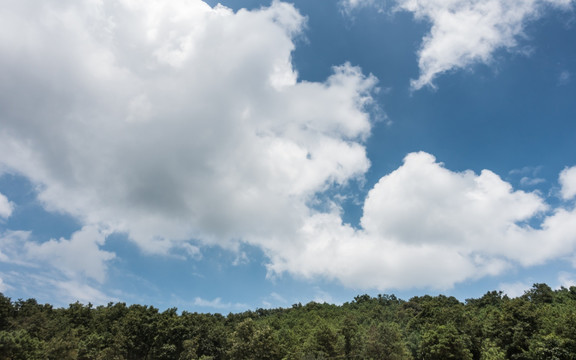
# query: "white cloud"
[[322, 297], [426, 226], [515, 289], [349, 5], [526, 171], [3, 287], [6, 207], [466, 32], [11, 249], [241, 259], [217, 304], [174, 120], [79, 257], [568, 183], [191, 251], [65, 270], [446, 204], [72, 291], [53, 288], [529, 181], [566, 279], [528, 175]]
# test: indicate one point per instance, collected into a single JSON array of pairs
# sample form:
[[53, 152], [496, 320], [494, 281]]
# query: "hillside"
[[541, 324]]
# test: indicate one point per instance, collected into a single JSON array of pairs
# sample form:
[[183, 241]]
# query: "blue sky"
[[252, 154]]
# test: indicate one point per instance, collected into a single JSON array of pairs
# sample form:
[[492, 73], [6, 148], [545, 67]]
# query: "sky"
[[224, 157]]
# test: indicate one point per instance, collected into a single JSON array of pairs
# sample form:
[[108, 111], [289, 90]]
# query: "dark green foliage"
[[324, 341], [539, 325], [19, 345], [251, 341], [384, 341], [444, 342], [349, 330], [540, 294], [6, 312]]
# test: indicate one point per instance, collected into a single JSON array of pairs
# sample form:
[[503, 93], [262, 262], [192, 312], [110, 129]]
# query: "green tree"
[[19, 345], [516, 322], [6, 312], [384, 341], [443, 342], [250, 341], [539, 294], [549, 347], [491, 351], [325, 340], [349, 330], [137, 332]]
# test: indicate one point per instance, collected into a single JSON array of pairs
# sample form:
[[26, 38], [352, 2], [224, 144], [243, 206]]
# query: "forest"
[[541, 324]]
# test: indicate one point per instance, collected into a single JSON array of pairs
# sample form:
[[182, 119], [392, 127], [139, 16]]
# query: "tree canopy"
[[541, 324]]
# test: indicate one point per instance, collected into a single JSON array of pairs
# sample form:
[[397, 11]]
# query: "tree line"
[[541, 324]]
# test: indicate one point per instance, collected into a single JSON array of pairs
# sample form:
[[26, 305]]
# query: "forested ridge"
[[541, 324]]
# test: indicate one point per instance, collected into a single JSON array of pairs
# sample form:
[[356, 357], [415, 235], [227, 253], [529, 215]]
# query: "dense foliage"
[[541, 324]]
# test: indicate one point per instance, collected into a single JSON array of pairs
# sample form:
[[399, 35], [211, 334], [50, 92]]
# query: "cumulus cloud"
[[466, 32], [174, 121], [568, 183], [81, 255], [6, 207], [426, 226], [76, 258], [12, 244], [183, 125], [66, 269]]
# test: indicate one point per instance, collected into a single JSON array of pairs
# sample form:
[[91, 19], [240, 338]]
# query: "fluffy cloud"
[[70, 256], [67, 270], [11, 250], [6, 207], [183, 125], [568, 183], [424, 225], [446, 205], [172, 121], [76, 258], [467, 32]]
